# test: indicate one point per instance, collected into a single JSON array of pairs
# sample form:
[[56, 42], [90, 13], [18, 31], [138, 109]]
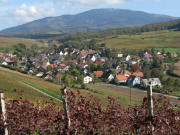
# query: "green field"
[[145, 40], [8, 42], [176, 70], [169, 49], [10, 80]]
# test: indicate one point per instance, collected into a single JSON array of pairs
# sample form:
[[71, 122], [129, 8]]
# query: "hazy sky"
[[16, 12]]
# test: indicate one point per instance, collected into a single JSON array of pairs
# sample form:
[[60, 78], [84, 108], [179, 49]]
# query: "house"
[[137, 58], [61, 53], [87, 79], [62, 65], [110, 77], [85, 71], [134, 81], [128, 57], [53, 66], [9, 61], [99, 62], [98, 73], [173, 54], [119, 55], [120, 79], [133, 62], [48, 77], [138, 74], [66, 68], [147, 56], [126, 73], [65, 53], [30, 71], [85, 65], [152, 81], [92, 57], [40, 74], [5, 63]]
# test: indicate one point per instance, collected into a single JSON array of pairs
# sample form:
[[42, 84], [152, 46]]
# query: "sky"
[[17, 12]]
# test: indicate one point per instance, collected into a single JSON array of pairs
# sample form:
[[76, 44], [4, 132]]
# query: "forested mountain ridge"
[[89, 21]]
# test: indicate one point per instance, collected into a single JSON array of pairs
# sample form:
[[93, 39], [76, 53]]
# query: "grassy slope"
[[122, 94], [147, 39], [8, 42], [10, 80], [177, 68]]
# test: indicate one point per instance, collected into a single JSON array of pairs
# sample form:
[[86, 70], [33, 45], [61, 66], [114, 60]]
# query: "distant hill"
[[89, 21], [164, 34]]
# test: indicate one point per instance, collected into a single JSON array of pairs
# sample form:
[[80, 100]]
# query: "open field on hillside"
[[169, 49], [10, 80], [177, 69], [145, 40], [8, 42], [137, 96]]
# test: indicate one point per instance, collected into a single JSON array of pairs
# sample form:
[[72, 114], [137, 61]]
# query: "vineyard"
[[85, 116]]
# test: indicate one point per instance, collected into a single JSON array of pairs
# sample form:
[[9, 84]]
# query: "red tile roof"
[[137, 57], [62, 65], [99, 62], [126, 72], [53, 66], [149, 56], [121, 77], [98, 73], [138, 74]]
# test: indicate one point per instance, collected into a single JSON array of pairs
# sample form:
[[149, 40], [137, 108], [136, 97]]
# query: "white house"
[[5, 63], [61, 53], [48, 63], [128, 58], [85, 71], [66, 53], [40, 74], [110, 78], [134, 81], [87, 79], [93, 58], [152, 81]]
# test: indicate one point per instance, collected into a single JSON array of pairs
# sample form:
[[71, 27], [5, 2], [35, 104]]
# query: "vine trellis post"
[[65, 106], [150, 101], [3, 111]]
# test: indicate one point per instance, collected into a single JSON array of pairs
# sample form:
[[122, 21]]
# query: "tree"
[[156, 73], [135, 67], [147, 73], [80, 79], [170, 81], [68, 80]]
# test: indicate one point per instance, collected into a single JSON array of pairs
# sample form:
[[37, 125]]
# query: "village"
[[74, 66]]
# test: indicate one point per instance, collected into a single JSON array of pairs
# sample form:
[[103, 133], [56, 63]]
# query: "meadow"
[[11, 80], [159, 39], [6, 42], [13, 87], [176, 70]]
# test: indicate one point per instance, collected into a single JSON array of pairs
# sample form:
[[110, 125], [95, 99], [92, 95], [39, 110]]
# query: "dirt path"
[[40, 91]]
